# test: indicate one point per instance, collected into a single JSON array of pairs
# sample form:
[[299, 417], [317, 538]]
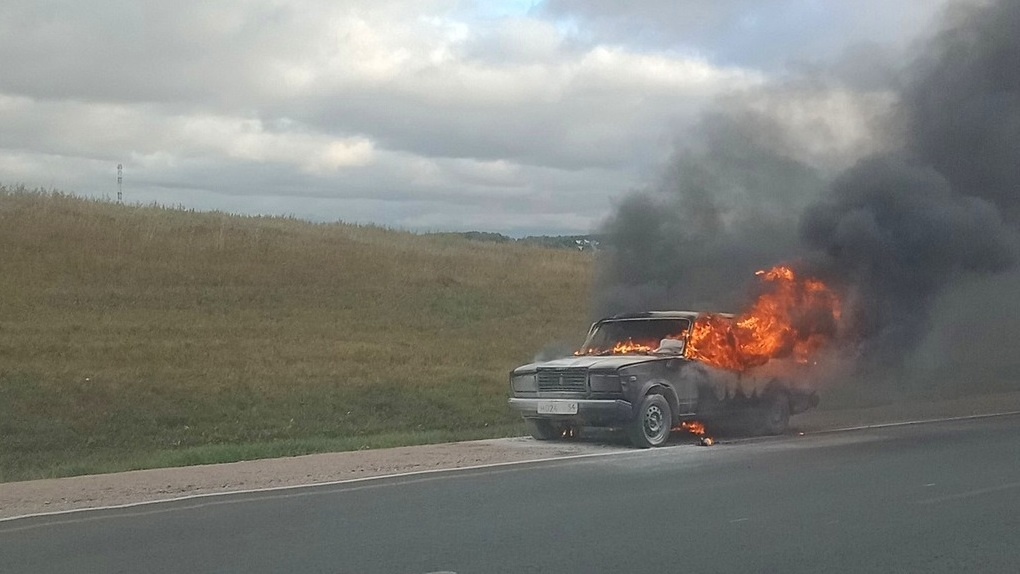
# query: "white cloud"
[[115, 130], [503, 120], [829, 128]]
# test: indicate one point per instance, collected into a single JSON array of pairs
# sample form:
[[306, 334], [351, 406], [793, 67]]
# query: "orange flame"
[[792, 318], [694, 427], [627, 347], [630, 346]]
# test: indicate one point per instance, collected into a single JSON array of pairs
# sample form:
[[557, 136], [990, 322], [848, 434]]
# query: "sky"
[[511, 116]]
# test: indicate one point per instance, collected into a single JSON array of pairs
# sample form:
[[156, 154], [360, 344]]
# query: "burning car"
[[652, 372], [639, 372], [634, 371]]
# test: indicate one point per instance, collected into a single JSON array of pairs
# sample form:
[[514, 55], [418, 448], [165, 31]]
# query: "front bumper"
[[594, 412]]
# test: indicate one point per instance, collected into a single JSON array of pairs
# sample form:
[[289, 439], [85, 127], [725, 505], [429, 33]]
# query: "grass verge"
[[135, 336]]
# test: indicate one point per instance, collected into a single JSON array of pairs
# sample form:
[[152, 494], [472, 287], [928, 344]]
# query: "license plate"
[[557, 407]]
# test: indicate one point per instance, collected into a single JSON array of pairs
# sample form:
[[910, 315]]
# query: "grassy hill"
[[143, 336]]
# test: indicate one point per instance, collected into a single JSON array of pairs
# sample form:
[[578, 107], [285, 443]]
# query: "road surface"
[[935, 497]]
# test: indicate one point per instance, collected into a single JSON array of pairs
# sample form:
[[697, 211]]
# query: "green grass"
[[133, 337]]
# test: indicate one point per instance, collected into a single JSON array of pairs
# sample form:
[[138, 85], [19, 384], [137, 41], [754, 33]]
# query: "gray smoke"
[[719, 211], [974, 325], [895, 234], [896, 231], [963, 105]]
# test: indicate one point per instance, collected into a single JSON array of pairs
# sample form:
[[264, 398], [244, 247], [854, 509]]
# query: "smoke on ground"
[[910, 220]]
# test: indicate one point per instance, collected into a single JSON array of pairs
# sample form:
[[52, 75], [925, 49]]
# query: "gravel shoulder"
[[61, 494]]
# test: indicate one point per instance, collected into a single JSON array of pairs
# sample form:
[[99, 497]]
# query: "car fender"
[[662, 387]]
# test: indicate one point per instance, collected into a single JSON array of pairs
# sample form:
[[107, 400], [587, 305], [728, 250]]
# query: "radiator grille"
[[563, 380]]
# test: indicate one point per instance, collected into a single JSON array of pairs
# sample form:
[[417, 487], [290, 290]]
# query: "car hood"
[[590, 362]]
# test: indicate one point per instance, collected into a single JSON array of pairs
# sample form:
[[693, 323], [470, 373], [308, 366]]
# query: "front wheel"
[[542, 429], [652, 425]]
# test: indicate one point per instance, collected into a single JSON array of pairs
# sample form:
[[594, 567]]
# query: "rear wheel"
[[652, 425], [775, 415]]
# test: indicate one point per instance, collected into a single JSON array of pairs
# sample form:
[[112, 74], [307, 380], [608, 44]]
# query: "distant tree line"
[[577, 242]]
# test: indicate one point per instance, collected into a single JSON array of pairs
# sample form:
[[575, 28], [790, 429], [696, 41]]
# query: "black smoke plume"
[[896, 231], [722, 208]]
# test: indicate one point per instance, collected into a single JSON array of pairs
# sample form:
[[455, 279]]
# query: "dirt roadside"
[[54, 495]]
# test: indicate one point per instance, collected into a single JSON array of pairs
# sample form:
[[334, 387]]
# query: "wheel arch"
[[662, 388]]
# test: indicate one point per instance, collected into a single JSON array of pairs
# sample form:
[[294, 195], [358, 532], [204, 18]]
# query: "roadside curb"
[[437, 471]]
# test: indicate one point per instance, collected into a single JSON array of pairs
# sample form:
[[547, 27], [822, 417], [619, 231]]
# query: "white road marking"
[[916, 422], [969, 493], [460, 469], [341, 482]]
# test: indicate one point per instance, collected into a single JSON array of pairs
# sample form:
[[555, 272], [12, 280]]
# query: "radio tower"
[[120, 183]]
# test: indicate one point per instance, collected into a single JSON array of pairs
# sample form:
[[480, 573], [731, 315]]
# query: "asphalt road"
[[937, 497]]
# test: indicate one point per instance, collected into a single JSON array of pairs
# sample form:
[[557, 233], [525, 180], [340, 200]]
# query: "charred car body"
[[632, 373]]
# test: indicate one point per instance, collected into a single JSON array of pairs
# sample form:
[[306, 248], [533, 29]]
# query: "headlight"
[[629, 376], [604, 382], [524, 382]]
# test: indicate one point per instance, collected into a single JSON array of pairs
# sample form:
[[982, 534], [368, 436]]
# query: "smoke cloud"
[[724, 205], [898, 219], [963, 105]]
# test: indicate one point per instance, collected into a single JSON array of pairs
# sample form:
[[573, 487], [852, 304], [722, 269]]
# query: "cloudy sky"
[[514, 116]]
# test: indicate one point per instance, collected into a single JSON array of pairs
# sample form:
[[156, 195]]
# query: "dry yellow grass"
[[130, 332]]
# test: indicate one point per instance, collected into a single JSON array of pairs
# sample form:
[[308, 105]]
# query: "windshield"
[[633, 336]]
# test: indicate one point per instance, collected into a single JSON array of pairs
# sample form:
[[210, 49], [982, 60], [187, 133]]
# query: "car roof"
[[692, 315]]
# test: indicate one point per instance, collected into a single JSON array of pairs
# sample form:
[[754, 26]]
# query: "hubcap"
[[653, 420]]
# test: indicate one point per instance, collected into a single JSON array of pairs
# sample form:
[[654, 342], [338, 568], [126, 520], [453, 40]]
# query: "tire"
[[774, 415], [542, 429], [653, 422]]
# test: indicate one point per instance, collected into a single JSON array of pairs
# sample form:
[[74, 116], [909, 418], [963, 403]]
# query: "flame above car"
[[793, 317]]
